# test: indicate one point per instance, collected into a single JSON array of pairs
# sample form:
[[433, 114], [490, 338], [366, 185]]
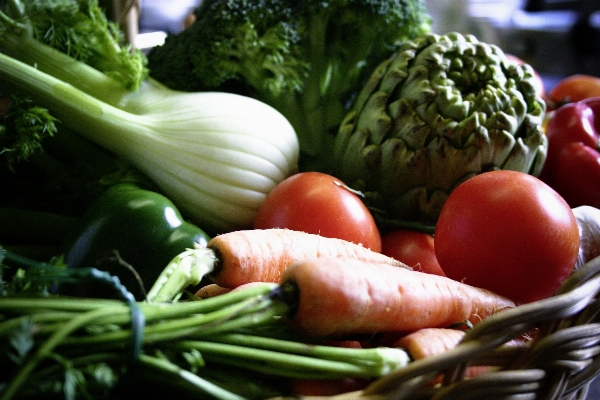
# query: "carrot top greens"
[[218, 347]]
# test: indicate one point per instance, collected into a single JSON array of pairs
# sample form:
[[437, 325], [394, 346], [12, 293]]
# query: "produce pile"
[[285, 199]]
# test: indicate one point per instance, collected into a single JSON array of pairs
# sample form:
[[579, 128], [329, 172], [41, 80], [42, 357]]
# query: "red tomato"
[[540, 88], [415, 249], [575, 88], [507, 232], [321, 204]]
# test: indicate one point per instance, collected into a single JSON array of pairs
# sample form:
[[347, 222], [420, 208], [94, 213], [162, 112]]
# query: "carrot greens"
[[87, 347]]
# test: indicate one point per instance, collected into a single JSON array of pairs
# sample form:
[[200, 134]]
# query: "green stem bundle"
[[243, 330]]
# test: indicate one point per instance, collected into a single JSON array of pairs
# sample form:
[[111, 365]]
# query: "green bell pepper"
[[129, 232]]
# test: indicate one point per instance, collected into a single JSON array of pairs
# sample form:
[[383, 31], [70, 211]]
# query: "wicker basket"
[[558, 364]]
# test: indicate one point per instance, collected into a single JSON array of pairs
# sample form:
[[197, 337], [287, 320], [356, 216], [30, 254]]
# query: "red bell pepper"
[[572, 165]]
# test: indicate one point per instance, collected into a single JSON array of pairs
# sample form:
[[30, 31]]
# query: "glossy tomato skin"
[[415, 249], [574, 88], [507, 232], [321, 204]]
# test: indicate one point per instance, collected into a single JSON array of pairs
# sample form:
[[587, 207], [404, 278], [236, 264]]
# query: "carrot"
[[213, 290], [342, 296], [258, 255], [429, 342], [261, 255], [210, 290]]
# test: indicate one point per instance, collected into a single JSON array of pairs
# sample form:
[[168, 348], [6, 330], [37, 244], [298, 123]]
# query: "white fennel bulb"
[[215, 155]]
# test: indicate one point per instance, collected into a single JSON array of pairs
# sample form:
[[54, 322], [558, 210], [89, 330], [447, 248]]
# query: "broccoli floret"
[[306, 58]]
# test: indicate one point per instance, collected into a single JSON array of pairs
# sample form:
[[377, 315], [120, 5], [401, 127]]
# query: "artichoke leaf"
[[442, 109], [376, 119]]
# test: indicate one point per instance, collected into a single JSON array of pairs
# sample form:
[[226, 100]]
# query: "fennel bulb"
[[215, 155]]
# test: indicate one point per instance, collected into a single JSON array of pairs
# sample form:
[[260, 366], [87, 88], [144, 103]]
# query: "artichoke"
[[442, 109]]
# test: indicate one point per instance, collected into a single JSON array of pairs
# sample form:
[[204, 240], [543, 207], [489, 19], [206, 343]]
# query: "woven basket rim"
[[565, 350]]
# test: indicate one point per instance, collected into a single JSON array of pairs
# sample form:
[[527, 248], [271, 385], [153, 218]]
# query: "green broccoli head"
[[306, 58], [240, 43]]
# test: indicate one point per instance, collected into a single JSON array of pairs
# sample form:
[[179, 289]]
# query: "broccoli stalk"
[[308, 59]]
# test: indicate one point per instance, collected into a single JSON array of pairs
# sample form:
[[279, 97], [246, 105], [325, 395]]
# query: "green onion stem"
[[34, 305], [375, 361], [152, 311], [187, 268]]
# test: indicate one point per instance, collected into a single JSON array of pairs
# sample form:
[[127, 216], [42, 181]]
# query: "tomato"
[[507, 232], [321, 204], [415, 249], [575, 88], [540, 88]]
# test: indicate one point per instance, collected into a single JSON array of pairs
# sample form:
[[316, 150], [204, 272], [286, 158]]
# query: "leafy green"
[[215, 155], [78, 28], [43, 164], [57, 352], [23, 129], [308, 59], [21, 341]]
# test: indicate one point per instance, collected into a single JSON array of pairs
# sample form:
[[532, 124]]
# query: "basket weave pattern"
[[558, 363]]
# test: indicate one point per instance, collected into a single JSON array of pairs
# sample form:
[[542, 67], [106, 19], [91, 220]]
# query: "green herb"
[[84, 347], [23, 128], [215, 155]]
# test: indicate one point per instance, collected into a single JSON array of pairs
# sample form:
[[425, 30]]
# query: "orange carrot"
[[261, 255], [429, 342], [213, 290], [341, 296]]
